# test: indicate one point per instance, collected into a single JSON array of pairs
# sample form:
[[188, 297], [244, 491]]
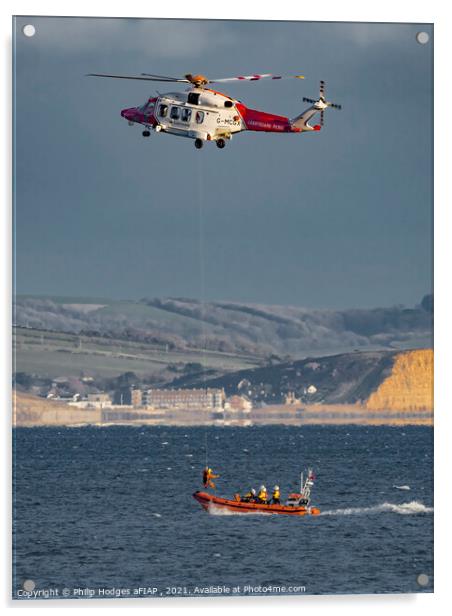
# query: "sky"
[[333, 219]]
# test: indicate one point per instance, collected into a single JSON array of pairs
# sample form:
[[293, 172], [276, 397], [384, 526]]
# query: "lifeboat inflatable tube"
[[207, 501]]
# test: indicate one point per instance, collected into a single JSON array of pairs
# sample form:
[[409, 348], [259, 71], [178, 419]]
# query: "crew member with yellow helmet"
[[262, 495], [207, 476], [250, 496], [276, 496]]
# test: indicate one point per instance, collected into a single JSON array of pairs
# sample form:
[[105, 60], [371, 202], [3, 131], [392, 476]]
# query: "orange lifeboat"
[[292, 506]]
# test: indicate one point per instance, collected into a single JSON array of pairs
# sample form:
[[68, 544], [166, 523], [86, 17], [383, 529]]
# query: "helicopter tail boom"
[[301, 122]]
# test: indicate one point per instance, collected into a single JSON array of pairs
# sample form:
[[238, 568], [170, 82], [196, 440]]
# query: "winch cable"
[[202, 283]]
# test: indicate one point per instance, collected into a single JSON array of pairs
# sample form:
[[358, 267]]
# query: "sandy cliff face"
[[409, 387], [33, 411]]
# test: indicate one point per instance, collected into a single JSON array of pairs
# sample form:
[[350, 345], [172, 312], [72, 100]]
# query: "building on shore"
[[136, 397], [291, 398], [238, 404], [183, 399], [94, 401]]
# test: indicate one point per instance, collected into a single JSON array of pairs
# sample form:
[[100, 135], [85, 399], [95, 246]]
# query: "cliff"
[[409, 386], [30, 410]]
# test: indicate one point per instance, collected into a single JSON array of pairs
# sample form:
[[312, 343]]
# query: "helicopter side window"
[[193, 98], [163, 111], [175, 113], [185, 115], [199, 117]]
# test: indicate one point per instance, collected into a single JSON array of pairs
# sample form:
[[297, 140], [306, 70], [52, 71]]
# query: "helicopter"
[[204, 114]]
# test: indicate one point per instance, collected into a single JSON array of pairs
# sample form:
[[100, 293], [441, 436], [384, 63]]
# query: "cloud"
[[368, 35], [165, 38]]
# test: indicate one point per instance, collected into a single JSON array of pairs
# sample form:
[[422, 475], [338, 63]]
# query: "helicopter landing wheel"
[[199, 143], [146, 133], [221, 143]]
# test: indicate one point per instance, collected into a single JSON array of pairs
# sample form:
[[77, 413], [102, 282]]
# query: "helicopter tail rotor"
[[327, 103], [322, 98], [318, 106]]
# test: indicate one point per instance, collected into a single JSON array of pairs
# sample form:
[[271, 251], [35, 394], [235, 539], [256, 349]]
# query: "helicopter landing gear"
[[199, 143], [146, 133], [221, 143]]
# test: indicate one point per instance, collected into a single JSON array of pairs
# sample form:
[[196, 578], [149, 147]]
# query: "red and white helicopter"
[[203, 114]]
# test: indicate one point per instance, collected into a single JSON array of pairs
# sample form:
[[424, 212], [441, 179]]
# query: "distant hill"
[[231, 327], [380, 380], [337, 379], [42, 355]]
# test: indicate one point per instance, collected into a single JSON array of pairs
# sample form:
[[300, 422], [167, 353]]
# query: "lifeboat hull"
[[208, 501]]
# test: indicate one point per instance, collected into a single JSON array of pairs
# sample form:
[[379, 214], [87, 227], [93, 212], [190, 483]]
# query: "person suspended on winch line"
[[207, 476]]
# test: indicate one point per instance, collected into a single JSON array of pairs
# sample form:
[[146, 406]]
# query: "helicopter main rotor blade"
[[142, 78], [194, 79], [165, 78], [255, 78]]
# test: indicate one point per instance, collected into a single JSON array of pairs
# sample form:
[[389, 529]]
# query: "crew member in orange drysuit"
[[207, 476]]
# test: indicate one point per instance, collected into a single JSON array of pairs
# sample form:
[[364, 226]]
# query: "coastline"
[[30, 411]]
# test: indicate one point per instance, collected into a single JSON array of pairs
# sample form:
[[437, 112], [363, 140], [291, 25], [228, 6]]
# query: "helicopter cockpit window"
[[147, 107], [163, 111], [175, 113], [185, 115], [199, 117]]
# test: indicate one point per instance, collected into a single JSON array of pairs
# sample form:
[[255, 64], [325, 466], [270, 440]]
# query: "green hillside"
[[51, 354]]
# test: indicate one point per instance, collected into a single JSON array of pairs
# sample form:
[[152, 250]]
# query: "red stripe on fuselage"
[[262, 121]]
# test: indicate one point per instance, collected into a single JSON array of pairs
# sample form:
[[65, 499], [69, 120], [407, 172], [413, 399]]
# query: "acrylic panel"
[[223, 308]]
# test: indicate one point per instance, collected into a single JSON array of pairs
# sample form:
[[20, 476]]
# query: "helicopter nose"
[[129, 114]]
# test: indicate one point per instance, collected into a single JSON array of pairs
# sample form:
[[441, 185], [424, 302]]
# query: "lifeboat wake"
[[410, 508]]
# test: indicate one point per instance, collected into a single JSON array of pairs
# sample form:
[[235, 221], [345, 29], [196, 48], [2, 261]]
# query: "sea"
[[101, 512]]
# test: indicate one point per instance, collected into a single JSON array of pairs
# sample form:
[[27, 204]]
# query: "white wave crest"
[[404, 487], [214, 510], [410, 508]]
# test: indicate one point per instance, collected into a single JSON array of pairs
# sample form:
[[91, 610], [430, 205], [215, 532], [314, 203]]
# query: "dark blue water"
[[113, 508]]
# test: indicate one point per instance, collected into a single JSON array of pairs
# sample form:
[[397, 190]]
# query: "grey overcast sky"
[[340, 218]]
